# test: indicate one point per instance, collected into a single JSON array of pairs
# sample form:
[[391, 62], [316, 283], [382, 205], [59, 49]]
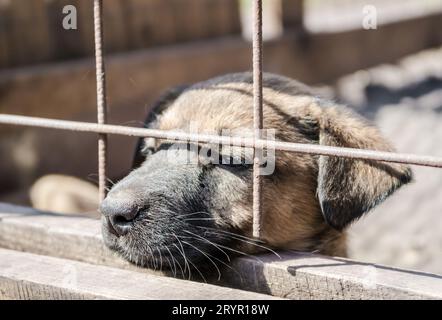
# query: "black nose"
[[119, 214]]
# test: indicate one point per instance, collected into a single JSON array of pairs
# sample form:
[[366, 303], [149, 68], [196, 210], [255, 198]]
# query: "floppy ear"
[[348, 188], [165, 100]]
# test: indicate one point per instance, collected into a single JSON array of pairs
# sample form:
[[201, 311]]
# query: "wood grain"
[[34, 33], [31, 276], [294, 276]]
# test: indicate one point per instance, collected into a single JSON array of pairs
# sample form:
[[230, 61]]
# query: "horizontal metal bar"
[[419, 160]]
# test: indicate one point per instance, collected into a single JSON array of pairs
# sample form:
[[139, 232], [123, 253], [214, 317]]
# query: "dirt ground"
[[405, 101]]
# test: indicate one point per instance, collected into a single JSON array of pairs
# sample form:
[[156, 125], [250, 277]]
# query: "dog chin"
[[112, 242], [109, 239]]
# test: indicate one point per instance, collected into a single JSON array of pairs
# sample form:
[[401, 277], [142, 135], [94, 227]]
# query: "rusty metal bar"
[[101, 96], [257, 114], [412, 159]]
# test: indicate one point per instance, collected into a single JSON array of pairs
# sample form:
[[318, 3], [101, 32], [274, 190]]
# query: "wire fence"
[[103, 129], [257, 114], [101, 96]]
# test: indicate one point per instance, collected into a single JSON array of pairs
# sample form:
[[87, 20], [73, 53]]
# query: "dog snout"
[[120, 214]]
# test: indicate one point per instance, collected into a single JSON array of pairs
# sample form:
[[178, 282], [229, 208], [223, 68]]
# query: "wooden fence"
[[70, 239], [31, 31]]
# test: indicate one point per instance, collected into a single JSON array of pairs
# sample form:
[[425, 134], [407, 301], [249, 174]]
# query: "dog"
[[198, 215]]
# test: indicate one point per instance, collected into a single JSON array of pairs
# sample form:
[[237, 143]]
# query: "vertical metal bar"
[[257, 114], [101, 96]]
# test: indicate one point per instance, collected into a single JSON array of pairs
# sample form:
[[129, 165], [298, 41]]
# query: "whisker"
[[249, 242], [241, 252], [232, 233], [169, 264], [182, 248], [186, 264], [173, 260], [228, 266], [161, 259], [225, 264], [210, 242], [93, 177], [193, 213], [154, 261], [199, 219], [110, 181], [198, 270], [184, 237], [303, 251], [216, 266]]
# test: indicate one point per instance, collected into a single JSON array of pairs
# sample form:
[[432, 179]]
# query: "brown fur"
[[292, 212], [309, 200]]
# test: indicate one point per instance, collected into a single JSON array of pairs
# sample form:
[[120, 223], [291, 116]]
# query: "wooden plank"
[[116, 33], [295, 276], [346, 52], [194, 20], [162, 20], [68, 43], [31, 276], [5, 22], [35, 34], [293, 13], [223, 17], [309, 276], [331, 55], [61, 236], [19, 38]]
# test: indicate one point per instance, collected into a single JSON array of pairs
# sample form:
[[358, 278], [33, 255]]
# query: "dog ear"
[[165, 100], [348, 188]]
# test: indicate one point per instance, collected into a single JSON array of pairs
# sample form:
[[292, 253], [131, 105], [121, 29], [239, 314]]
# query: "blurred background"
[[381, 57]]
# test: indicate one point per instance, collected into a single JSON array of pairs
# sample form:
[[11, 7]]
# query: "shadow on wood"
[[295, 276]]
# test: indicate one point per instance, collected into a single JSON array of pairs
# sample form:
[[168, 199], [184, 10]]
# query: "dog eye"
[[233, 162]]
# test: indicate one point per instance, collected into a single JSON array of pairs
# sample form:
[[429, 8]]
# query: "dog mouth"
[[186, 250]]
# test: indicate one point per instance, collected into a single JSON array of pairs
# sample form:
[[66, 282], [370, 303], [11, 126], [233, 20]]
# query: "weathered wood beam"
[[294, 276], [293, 13], [30, 276], [139, 76], [32, 31]]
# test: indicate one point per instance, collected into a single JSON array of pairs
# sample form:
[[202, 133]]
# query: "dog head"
[[185, 214]]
